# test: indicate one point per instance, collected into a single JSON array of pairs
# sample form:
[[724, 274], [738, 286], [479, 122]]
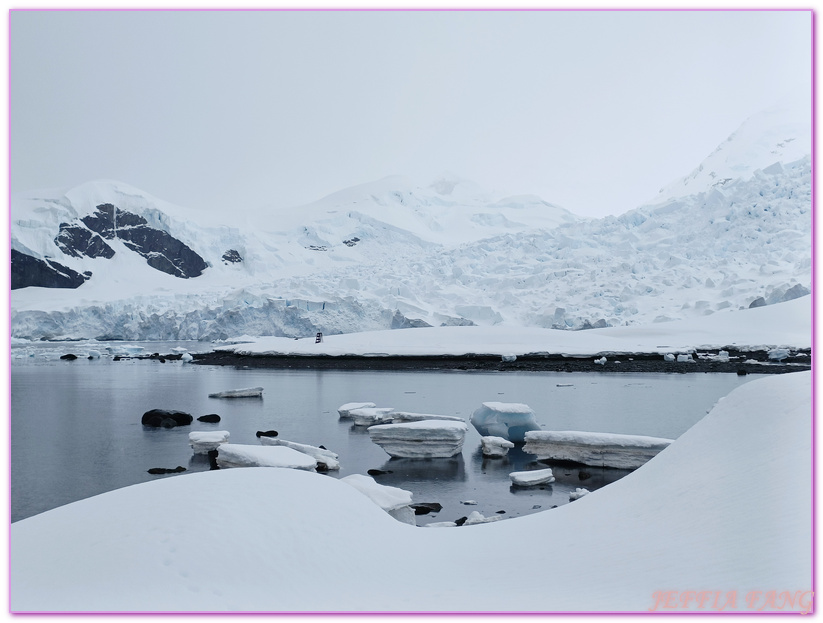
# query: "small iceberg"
[[495, 447], [204, 441], [241, 455], [395, 501], [404, 416], [427, 439], [476, 517], [248, 392], [345, 410], [596, 449], [532, 478], [509, 420], [327, 457]]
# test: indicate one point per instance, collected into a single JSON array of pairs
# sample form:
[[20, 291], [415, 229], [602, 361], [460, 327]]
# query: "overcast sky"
[[592, 110]]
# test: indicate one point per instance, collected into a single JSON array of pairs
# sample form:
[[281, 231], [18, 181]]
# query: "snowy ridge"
[[681, 532], [393, 254]]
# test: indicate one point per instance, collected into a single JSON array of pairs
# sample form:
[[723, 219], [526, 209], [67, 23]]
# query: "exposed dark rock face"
[[162, 251], [30, 271], [78, 241], [167, 419], [232, 257], [68, 357], [266, 433], [211, 418], [424, 508]]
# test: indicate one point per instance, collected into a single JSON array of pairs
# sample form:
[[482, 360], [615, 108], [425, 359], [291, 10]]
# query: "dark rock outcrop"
[[162, 251], [424, 508], [266, 433], [27, 270], [167, 419], [211, 418], [78, 241], [68, 357], [163, 470], [232, 257]]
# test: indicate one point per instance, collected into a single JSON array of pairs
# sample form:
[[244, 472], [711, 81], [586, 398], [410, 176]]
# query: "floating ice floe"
[[369, 416], [404, 416], [597, 449], [345, 410], [327, 457], [578, 493], [419, 440], [509, 420], [495, 447], [242, 455], [204, 441], [395, 501], [248, 392], [532, 478]]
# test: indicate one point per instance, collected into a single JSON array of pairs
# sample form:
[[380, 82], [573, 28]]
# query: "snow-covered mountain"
[[105, 260]]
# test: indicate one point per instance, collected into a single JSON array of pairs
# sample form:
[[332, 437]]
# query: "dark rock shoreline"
[[629, 362]]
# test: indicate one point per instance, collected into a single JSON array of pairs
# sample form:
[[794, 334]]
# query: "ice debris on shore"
[[420, 440], [495, 447], [509, 420], [597, 449], [578, 493], [204, 441], [532, 478], [321, 455], [242, 455], [248, 392], [395, 501]]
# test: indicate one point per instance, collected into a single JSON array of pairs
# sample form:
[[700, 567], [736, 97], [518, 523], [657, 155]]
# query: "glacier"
[[736, 233]]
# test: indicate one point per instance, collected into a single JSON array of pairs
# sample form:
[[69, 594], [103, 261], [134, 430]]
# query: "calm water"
[[76, 432]]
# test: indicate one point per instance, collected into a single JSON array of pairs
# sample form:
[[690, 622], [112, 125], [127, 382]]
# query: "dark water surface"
[[76, 432]]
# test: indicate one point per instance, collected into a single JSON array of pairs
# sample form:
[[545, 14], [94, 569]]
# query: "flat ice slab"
[[420, 440], [597, 449], [405, 416], [241, 455], [344, 411], [495, 447], [327, 457], [204, 441], [509, 420], [369, 416], [532, 478], [248, 392]]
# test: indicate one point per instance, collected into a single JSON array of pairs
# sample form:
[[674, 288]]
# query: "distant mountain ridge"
[[119, 263]]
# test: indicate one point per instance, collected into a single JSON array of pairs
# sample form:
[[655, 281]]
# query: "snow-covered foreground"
[[786, 323], [726, 509]]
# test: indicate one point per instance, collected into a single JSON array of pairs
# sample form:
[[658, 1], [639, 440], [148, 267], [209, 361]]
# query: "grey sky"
[[593, 110]]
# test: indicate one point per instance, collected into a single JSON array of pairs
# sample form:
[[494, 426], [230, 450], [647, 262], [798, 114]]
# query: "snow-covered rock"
[[344, 411], [509, 420], [247, 392], [495, 447], [327, 457], [368, 416], [601, 361], [186, 357], [422, 439], [202, 442], [532, 478], [685, 358], [597, 449], [395, 501], [242, 455]]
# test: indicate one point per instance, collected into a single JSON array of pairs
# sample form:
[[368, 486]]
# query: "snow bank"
[[598, 449], [426, 439], [688, 520]]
